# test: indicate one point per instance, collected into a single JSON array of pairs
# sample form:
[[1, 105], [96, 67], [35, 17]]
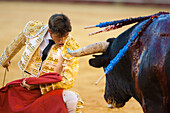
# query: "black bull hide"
[[144, 71]]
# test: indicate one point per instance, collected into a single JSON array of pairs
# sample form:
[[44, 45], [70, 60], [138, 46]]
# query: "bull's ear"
[[98, 61], [110, 40]]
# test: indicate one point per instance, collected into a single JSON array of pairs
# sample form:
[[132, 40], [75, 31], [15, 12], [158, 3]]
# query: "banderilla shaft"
[[100, 79]]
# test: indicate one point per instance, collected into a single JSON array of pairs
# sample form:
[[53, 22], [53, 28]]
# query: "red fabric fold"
[[16, 99]]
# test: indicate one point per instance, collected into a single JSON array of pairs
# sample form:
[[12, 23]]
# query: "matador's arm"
[[70, 65], [12, 49]]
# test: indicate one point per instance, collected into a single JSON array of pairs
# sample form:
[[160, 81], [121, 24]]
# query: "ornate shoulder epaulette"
[[70, 43], [34, 28]]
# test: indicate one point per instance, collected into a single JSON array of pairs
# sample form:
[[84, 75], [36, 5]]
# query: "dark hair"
[[59, 23]]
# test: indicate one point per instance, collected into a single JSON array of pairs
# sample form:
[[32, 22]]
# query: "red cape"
[[16, 99]]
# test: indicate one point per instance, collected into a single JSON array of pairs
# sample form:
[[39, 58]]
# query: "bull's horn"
[[98, 47]]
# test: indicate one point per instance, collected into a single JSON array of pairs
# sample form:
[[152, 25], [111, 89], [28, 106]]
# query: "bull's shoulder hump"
[[162, 25]]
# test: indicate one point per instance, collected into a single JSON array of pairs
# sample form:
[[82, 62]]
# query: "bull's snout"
[[112, 103], [109, 101]]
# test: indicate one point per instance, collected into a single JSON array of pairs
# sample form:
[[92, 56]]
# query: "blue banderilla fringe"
[[127, 46]]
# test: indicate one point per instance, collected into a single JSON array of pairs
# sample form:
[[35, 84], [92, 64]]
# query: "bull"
[[143, 72]]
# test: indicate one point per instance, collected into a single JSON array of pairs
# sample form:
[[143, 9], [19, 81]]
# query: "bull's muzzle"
[[113, 104]]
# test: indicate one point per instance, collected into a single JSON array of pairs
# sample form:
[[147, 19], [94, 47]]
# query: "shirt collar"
[[48, 36]]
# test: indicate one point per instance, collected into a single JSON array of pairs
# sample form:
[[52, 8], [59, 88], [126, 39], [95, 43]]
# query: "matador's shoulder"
[[72, 44], [34, 28]]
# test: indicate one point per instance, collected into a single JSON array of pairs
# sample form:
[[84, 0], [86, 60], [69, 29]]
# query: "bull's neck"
[[128, 71]]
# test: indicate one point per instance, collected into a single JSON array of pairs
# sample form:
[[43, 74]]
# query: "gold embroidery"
[[33, 28], [35, 71], [52, 60], [37, 65], [55, 48], [7, 52], [48, 68], [43, 89], [39, 39], [55, 61], [48, 87], [3, 56], [38, 60], [72, 45], [31, 46], [26, 57], [30, 49], [21, 64], [70, 63]]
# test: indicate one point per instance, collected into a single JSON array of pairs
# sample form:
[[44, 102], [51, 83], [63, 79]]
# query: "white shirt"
[[45, 42]]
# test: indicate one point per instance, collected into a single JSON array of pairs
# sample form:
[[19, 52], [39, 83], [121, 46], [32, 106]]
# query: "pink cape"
[[16, 99]]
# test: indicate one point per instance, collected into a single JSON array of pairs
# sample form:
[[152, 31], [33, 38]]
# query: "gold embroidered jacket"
[[30, 61]]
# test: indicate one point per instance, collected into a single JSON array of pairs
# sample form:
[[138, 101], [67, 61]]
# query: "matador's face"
[[57, 39]]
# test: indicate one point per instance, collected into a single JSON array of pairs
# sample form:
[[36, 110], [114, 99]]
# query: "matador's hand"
[[29, 87], [24, 84], [7, 65]]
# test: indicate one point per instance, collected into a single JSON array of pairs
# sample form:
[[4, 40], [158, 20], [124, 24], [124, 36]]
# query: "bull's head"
[[114, 96]]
